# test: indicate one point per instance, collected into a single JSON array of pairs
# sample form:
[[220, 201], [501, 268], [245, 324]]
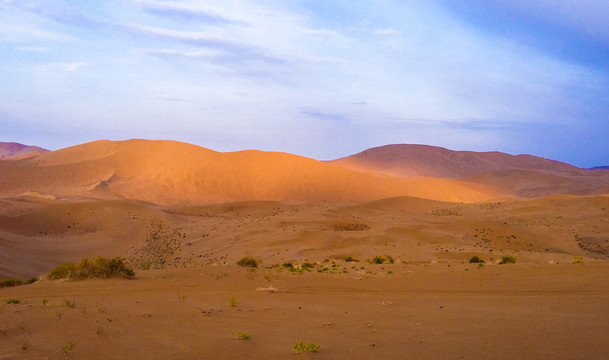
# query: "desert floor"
[[190, 300], [440, 310]]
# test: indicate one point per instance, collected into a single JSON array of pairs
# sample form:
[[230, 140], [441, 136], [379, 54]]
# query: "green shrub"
[[381, 260], [233, 302], [243, 336], [301, 347], [475, 260], [248, 262], [578, 260], [98, 268], [507, 260], [10, 283], [13, 301]]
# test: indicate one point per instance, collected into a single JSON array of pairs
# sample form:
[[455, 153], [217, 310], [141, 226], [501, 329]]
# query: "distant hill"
[[423, 160], [11, 150], [600, 168], [519, 175]]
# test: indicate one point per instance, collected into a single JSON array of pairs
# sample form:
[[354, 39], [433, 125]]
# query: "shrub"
[[248, 262], [578, 260], [13, 301], [10, 283], [98, 268], [475, 260], [243, 336], [233, 302], [351, 259], [507, 260], [301, 347], [381, 260]]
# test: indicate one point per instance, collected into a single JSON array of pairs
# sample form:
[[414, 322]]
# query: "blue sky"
[[310, 77]]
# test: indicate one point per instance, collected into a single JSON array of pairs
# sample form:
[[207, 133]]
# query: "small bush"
[[10, 283], [13, 301], [475, 260], [98, 268], [578, 260], [243, 336], [381, 260], [351, 259], [25, 344], [301, 347], [248, 262], [233, 302], [507, 260]]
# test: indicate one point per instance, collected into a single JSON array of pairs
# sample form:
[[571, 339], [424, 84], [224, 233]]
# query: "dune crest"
[[170, 172]]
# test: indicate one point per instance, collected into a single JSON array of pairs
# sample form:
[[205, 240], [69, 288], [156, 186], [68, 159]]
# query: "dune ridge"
[[519, 175], [172, 172]]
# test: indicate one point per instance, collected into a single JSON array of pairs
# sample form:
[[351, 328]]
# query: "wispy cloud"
[[180, 12], [33, 49], [70, 67]]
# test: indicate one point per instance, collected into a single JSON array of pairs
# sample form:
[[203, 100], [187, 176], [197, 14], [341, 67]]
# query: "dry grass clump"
[[507, 260], [248, 262], [301, 347], [16, 282], [98, 268]]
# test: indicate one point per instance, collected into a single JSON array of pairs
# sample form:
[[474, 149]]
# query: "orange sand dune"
[[170, 172]]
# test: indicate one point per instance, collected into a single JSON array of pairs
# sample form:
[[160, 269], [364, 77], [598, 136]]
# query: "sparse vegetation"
[[13, 301], [351, 259], [70, 304], [25, 344], [98, 268], [476, 260], [16, 282], [248, 262], [507, 260], [10, 283], [301, 347], [45, 302], [385, 259], [233, 302], [578, 260], [481, 265], [243, 336], [99, 331], [68, 347]]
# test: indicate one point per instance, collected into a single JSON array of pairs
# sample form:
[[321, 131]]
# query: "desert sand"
[[183, 216]]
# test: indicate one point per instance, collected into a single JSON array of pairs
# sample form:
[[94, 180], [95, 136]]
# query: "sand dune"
[[424, 160], [172, 172], [520, 175], [16, 150]]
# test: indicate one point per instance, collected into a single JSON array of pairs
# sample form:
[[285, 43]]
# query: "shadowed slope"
[[13, 150], [423, 160], [520, 175], [173, 172]]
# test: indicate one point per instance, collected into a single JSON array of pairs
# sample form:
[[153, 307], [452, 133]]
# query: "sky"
[[322, 79]]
